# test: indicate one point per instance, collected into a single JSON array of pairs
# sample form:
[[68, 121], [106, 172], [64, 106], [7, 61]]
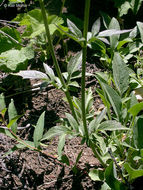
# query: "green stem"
[[84, 51], [55, 60]]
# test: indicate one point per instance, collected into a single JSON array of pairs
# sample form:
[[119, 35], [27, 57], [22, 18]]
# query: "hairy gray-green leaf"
[[49, 71], [38, 132], [12, 113], [93, 125], [73, 28], [61, 145], [32, 74], [74, 64], [114, 24], [96, 27], [56, 131], [120, 73], [114, 98], [111, 125], [72, 122], [2, 102]]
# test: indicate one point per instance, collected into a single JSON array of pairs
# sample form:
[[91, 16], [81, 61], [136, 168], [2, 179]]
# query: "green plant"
[[119, 153]]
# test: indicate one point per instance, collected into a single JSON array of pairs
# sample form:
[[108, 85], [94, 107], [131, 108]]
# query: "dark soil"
[[27, 169]]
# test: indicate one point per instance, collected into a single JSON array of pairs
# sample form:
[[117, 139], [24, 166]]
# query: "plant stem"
[[84, 51], [55, 60]]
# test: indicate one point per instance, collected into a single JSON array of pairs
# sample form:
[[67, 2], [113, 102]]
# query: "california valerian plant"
[[120, 154]]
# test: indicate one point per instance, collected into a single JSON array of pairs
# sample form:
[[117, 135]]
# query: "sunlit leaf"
[[61, 145], [135, 109], [38, 132], [96, 27], [32, 74], [12, 113], [120, 73], [73, 28], [133, 173], [111, 125]]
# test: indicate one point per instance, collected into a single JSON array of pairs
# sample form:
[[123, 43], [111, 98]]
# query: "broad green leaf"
[[111, 125], [61, 145], [9, 38], [38, 132], [94, 175], [135, 109], [32, 74], [138, 132], [114, 24], [15, 60], [2, 102], [72, 122], [120, 73], [74, 64], [35, 24], [96, 27], [110, 178], [133, 173], [114, 98], [56, 131], [133, 33], [140, 27], [93, 125], [12, 113], [73, 28]]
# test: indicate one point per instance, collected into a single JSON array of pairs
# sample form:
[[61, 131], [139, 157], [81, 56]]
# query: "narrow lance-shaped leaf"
[[2, 102], [56, 131], [73, 28], [93, 125], [32, 74], [120, 73], [96, 27], [114, 24], [49, 71], [72, 122], [114, 98], [111, 125], [12, 113], [38, 132], [74, 64], [61, 145]]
